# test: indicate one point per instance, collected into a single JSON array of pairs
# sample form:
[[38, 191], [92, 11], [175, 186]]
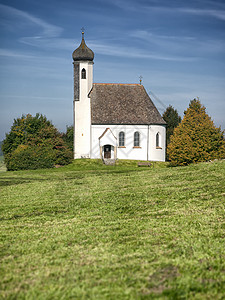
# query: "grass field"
[[88, 231]]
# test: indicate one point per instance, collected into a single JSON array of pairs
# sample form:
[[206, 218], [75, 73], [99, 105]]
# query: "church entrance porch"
[[107, 145], [107, 151]]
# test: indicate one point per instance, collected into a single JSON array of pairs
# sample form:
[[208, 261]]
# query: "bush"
[[34, 143], [30, 158]]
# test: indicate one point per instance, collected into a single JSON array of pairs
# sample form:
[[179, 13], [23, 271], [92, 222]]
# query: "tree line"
[[34, 142]]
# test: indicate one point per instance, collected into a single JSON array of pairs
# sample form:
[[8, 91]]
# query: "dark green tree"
[[68, 137], [33, 143], [172, 119], [196, 138], [1, 153]]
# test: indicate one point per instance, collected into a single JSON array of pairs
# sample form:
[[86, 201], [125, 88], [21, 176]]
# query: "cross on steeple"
[[82, 31], [140, 78]]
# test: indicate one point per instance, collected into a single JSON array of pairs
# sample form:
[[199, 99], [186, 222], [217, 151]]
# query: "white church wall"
[[157, 153], [83, 113], [126, 152], [90, 76], [147, 149]]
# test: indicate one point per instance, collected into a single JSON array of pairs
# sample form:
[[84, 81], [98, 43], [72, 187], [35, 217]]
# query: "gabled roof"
[[107, 129], [122, 104]]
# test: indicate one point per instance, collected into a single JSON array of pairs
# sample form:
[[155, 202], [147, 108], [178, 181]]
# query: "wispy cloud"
[[181, 44], [36, 60], [29, 97], [179, 10], [45, 29], [198, 8], [219, 14], [108, 49], [122, 51], [54, 42], [14, 54]]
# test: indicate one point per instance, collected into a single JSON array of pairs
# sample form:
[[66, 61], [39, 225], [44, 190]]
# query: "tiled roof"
[[122, 104]]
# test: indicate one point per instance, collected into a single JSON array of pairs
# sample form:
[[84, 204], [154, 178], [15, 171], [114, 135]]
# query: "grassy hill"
[[87, 231]]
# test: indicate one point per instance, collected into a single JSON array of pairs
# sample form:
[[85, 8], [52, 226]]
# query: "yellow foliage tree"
[[196, 138]]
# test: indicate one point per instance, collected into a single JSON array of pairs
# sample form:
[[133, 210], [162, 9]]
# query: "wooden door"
[[107, 151]]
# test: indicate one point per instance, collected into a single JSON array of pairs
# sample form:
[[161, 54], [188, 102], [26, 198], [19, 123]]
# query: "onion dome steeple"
[[83, 52]]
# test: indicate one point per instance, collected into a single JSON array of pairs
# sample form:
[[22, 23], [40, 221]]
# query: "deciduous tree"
[[33, 143]]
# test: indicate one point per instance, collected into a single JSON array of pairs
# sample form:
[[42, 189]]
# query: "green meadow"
[[89, 231]]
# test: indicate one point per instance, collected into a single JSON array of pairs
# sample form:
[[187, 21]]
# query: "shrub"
[[34, 143], [30, 157]]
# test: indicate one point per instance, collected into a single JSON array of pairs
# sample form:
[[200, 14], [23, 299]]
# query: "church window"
[[121, 139], [83, 74], [158, 140], [136, 139]]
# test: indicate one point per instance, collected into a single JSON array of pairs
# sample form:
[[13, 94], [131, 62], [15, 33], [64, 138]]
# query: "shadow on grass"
[[7, 181], [48, 213]]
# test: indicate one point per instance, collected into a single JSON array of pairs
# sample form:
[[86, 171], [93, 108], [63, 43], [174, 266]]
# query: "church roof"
[[122, 104], [83, 52]]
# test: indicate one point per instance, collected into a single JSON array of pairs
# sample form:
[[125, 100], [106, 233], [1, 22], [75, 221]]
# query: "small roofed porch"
[[108, 147]]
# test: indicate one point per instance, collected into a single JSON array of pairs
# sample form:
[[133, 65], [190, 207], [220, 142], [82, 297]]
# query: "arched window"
[[121, 139], [136, 139], [83, 74], [157, 140]]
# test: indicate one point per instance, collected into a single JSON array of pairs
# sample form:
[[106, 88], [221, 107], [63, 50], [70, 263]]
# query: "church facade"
[[113, 121]]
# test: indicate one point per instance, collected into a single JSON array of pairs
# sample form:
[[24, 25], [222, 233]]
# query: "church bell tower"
[[83, 81]]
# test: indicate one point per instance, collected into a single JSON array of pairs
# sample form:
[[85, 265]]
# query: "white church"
[[113, 121]]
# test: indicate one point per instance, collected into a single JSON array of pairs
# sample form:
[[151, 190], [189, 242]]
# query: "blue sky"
[[177, 46]]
